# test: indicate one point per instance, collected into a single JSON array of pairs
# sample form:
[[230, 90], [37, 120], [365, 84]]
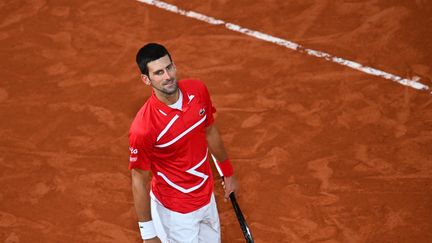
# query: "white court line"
[[413, 83]]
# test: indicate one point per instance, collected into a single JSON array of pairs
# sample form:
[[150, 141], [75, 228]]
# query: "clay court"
[[323, 152]]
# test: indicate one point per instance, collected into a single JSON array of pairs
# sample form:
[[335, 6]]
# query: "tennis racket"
[[241, 219]]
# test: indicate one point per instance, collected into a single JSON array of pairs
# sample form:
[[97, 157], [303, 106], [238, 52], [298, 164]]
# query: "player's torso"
[[180, 154], [179, 134]]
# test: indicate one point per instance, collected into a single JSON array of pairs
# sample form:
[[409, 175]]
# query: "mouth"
[[169, 83]]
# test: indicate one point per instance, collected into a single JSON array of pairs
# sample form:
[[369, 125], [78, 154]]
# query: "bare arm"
[[215, 143], [217, 148], [141, 194]]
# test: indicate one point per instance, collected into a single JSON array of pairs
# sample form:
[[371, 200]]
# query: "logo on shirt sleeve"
[[133, 154], [133, 150]]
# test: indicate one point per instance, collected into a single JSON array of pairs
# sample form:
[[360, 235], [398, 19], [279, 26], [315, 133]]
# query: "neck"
[[168, 99]]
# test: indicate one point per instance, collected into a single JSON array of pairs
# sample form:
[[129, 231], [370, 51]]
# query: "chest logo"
[[202, 111]]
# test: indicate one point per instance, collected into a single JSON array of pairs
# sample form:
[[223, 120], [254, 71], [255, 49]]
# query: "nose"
[[167, 74]]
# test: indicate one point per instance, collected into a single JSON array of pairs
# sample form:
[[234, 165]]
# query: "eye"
[[170, 67], [160, 72]]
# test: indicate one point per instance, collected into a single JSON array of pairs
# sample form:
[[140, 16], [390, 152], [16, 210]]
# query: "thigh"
[[210, 226], [177, 227], [156, 217]]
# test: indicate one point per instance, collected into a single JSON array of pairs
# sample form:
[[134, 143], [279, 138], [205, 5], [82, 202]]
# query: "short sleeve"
[[140, 151], [209, 107]]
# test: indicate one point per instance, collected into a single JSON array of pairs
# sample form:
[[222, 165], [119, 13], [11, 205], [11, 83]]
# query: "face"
[[162, 76]]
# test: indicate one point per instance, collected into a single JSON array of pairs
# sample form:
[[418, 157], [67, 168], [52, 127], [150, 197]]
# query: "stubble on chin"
[[173, 90], [167, 92]]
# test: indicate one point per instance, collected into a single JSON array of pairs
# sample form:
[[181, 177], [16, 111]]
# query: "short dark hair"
[[148, 53]]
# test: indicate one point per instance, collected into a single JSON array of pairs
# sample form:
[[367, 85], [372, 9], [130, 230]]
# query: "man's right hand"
[[153, 240]]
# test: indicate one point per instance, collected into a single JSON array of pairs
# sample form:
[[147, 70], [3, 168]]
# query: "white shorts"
[[201, 225]]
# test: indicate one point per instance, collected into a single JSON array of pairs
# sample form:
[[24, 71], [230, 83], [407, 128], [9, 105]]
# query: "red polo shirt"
[[172, 144]]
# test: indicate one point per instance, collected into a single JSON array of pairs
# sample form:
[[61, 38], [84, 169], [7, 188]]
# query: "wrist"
[[147, 230], [226, 168]]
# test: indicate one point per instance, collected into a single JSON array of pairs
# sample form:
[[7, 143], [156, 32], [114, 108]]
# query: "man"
[[170, 141]]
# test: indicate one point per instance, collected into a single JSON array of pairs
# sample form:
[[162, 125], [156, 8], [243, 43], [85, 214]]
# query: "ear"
[[145, 79]]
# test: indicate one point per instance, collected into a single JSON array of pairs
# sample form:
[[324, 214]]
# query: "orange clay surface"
[[323, 153]]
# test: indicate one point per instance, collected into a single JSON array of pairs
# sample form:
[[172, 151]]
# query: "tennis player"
[[169, 141]]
